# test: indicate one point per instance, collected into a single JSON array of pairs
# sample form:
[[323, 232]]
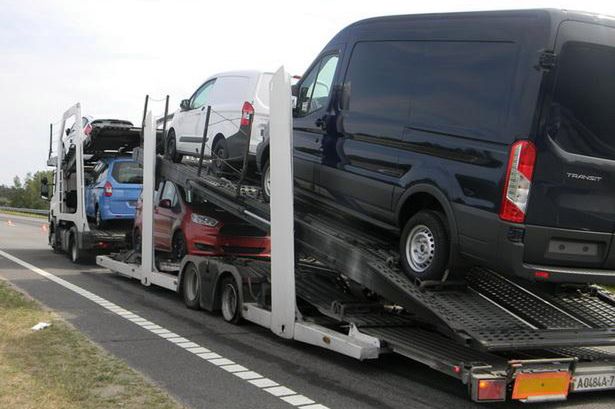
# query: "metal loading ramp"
[[486, 312]]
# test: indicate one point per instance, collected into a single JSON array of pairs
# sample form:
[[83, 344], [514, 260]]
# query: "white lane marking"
[[283, 393]]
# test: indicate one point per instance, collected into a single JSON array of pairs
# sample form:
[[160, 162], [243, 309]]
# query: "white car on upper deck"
[[233, 96]]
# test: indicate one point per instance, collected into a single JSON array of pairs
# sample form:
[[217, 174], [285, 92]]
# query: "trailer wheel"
[[171, 148], [266, 183], [191, 287], [424, 246], [230, 302]]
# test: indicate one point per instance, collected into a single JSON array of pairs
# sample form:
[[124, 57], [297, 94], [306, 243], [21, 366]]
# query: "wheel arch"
[[426, 196]]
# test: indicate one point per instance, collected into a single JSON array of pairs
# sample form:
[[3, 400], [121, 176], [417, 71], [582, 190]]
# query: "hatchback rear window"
[[582, 115], [127, 172]]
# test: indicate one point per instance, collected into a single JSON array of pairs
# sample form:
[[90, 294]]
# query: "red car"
[[182, 228]]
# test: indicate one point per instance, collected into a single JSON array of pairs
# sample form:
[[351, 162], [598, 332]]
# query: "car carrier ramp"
[[486, 311]]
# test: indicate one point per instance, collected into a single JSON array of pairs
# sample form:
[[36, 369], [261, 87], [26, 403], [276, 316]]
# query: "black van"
[[484, 138]]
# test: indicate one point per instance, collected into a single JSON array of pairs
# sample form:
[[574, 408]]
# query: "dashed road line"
[[285, 394]]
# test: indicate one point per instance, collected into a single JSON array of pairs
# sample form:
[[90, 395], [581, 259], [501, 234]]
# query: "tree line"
[[26, 192]]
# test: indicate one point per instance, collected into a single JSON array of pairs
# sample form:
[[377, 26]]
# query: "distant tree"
[[26, 194]]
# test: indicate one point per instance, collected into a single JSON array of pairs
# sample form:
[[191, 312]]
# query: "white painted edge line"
[[282, 392]]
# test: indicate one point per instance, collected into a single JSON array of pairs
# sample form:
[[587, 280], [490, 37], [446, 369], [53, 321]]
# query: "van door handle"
[[320, 122]]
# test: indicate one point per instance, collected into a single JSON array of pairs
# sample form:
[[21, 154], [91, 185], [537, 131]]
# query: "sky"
[[109, 54]]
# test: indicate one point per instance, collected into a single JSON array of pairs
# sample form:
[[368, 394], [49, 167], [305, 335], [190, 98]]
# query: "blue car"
[[115, 190]]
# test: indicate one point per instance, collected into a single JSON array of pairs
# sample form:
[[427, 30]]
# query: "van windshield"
[[581, 117]]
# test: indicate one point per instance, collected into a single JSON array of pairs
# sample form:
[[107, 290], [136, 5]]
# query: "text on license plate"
[[593, 382]]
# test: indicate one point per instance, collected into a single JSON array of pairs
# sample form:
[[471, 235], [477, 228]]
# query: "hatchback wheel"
[[424, 246], [178, 246]]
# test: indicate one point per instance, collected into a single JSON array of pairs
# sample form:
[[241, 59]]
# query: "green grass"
[[59, 368]]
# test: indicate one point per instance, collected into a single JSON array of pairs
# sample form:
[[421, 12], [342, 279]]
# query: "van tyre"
[[425, 246], [266, 182], [191, 287], [230, 300], [171, 149], [219, 156]]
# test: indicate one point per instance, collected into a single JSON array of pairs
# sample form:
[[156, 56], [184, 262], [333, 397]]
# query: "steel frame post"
[[283, 304]]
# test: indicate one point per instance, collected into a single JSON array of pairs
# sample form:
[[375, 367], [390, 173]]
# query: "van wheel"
[[266, 183], [425, 246], [178, 246], [230, 302], [171, 149], [219, 156], [191, 287]]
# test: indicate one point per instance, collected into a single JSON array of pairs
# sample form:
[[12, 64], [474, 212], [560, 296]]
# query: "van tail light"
[[108, 189], [518, 181], [246, 111]]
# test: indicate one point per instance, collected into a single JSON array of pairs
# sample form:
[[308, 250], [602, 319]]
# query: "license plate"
[[541, 385], [593, 382]]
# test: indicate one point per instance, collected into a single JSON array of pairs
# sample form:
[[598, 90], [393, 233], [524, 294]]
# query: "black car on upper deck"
[[483, 138]]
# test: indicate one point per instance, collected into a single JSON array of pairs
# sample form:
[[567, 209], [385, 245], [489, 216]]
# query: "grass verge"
[[59, 368], [15, 213]]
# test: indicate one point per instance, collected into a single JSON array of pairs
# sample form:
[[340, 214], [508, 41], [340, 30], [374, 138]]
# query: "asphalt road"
[[331, 380]]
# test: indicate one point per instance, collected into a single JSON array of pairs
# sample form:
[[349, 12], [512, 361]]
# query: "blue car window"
[[127, 172]]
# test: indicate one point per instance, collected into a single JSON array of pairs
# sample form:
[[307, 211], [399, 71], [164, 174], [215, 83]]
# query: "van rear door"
[[573, 187]]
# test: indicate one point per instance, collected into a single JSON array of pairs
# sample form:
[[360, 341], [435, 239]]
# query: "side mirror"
[[165, 204], [184, 105], [44, 188]]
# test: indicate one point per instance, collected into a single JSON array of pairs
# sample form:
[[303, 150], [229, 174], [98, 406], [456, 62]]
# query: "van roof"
[[240, 73], [503, 24]]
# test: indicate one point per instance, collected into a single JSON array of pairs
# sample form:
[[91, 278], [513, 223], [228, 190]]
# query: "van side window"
[[201, 96], [460, 88], [316, 88], [581, 118]]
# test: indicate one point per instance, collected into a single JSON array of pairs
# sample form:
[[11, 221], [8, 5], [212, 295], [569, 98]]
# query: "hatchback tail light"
[[108, 189], [246, 111], [518, 181]]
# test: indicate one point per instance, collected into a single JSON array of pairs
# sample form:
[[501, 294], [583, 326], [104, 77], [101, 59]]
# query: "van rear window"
[[127, 172], [582, 114], [458, 88]]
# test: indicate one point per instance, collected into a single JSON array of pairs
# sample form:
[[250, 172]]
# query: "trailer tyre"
[[266, 182], [230, 302], [425, 246], [191, 287]]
